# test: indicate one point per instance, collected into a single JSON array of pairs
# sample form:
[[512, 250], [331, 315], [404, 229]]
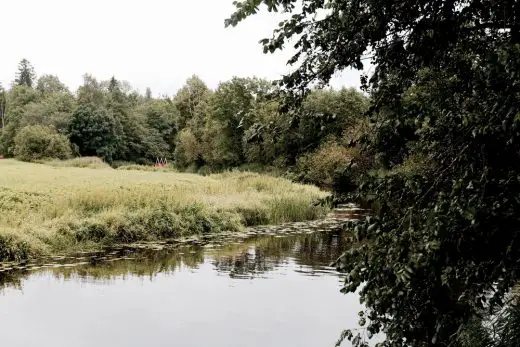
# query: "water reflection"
[[263, 291], [312, 253]]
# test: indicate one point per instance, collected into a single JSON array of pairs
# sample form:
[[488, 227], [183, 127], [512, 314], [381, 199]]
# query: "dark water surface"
[[262, 291]]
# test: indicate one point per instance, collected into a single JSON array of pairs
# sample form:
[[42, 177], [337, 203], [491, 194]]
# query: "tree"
[[113, 86], [54, 111], [49, 84], [148, 93], [261, 140], [231, 108], [329, 112], [91, 92], [187, 149], [95, 132], [188, 98], [20, 96], [25, 75], [442, 244], [17, 100], [133, 133], [160, 117], [3, 101], [324, 115]]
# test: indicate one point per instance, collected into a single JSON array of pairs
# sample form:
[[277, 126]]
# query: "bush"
[[36, 142], [327, 166], [13, 248]]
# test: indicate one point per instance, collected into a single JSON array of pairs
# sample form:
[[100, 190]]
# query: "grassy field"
[[50, 208]]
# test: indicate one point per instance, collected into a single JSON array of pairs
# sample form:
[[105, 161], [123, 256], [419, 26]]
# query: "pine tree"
[[148, 93], [25, 75], [113, 85]]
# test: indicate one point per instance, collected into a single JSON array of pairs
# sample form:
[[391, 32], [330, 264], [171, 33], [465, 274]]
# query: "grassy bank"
[[46, 209]]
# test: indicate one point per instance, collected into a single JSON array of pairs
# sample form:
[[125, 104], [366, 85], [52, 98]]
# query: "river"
[[259, 291]]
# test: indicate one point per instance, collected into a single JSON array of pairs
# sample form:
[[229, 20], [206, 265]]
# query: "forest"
[[240, 124]]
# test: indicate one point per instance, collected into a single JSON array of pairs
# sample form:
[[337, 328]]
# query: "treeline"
[[198, 129]]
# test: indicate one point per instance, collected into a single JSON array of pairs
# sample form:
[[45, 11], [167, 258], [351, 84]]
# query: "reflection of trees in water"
[[105, 269], [322, 248], [259, 256], [11, 280], [245, 264], [253, 258], [146, 263]]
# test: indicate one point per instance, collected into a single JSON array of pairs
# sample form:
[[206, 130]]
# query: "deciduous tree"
[[3, 104], [95, 131], [442, 244], [49, 84], [188, 98]]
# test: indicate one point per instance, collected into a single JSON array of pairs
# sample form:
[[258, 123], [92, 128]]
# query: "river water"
[[272, 290]]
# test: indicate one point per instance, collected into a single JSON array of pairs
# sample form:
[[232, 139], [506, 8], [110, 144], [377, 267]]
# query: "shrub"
[[13, 248], [327, 165], [37, 142]]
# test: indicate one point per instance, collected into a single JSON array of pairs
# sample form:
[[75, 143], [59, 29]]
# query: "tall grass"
[[51, 208], [83, 162], [139, 167]]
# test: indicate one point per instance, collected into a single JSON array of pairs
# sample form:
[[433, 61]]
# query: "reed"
[[60, 207]]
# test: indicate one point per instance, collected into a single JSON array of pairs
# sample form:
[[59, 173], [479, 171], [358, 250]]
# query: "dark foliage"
[[444, 241]]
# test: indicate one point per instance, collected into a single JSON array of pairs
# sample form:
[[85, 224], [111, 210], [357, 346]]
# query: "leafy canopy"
[[36, 142], [443, 245], [95, 131]]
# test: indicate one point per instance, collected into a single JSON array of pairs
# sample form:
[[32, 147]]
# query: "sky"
[[152, 43]]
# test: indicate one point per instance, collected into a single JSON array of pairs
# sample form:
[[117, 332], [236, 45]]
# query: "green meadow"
[[82, 204]]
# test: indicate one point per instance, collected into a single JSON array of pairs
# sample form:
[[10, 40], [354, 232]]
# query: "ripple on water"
[[261, 289]]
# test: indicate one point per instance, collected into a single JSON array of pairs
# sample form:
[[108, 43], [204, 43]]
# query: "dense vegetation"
[[83, 203], [436, 157], [436, 262], [198, 129]]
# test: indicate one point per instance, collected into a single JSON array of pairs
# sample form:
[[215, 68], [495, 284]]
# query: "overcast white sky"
[[155, 43]]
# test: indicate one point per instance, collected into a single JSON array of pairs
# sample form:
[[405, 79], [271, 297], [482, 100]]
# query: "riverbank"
[[191, 286], [333, 223], [50, 209]]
